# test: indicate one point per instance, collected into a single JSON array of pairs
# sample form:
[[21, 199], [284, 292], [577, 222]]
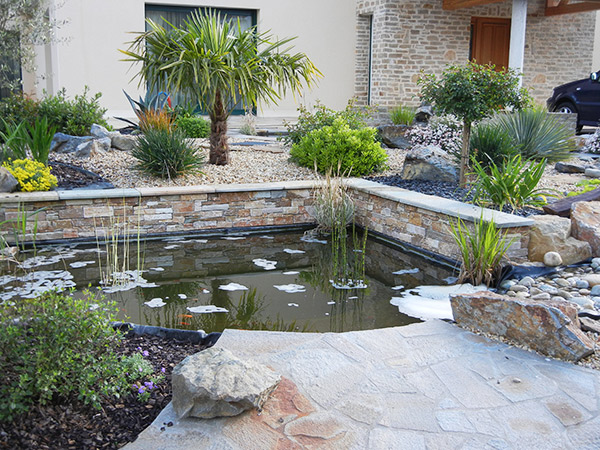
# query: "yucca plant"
[[537, 135], [166, 154], [490, 144], [512, 184], [403, 115], [481, 251]]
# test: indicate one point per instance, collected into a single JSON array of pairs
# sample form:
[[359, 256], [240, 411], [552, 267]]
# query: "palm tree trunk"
[[219, 150]]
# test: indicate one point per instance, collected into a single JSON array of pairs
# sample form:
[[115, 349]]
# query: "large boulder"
[[553, 234], [585, 217], [122, 141], [549, 327], [429, 163], [8, 182], [393, 136], [65, 143], [93, 147], [214, 383]]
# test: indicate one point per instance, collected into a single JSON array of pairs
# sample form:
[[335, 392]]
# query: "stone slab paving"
[[430, 385]]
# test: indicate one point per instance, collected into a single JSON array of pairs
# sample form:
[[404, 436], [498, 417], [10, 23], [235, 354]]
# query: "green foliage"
[[56, 348], [481, 251], [332, 206], [18, 225], [321, 117], [74, 117], [14, 146], [537, 135], [145, 109], [353, 151], [586, 185], [472, 92], [31, 175], [17, 109], [23, 139], [490, 145], [403, 115], [166, 154], [193, 126], [513, 183]]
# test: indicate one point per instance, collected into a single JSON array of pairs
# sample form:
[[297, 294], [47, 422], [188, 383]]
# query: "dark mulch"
[[117, 423], [73, 177], [443, 189]]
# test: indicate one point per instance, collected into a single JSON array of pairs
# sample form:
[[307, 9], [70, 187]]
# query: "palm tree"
[[218, 64]]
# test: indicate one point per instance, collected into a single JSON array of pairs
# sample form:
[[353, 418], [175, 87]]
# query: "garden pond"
[[278, 281]]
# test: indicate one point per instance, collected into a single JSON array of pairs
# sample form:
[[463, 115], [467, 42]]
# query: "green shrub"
[[481, 251], [74, 117], [321, 117], [403, 115], [56, 348], [490, 144], [354, 151], [16, 109], [586, 186], [166, 154], [193, 126], [513, 183], [537, 135]]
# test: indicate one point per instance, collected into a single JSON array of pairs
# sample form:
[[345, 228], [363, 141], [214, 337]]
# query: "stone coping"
[[440, 205]]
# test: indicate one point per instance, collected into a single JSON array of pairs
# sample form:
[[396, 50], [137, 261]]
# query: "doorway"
[[490, 41]]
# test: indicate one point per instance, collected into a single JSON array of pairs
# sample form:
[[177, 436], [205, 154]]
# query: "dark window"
[[176, 15], [10, 68]]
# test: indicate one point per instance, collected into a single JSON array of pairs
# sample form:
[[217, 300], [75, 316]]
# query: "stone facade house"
[[396, 39]]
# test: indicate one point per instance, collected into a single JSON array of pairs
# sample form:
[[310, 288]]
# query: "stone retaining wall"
[[416, 219]]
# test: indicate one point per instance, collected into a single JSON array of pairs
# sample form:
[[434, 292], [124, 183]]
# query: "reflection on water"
[[188, 273]]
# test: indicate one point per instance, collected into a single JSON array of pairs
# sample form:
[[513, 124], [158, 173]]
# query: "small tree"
[[218, 64], [472, 93], [23, 24]]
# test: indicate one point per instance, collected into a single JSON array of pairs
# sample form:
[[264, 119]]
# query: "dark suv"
[[580, 97]]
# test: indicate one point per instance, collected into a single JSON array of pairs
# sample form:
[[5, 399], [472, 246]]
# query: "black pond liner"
[[188, 336], [99, 183]]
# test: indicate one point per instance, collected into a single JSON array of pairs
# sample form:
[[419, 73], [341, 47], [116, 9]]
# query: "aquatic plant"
[[332, 205]]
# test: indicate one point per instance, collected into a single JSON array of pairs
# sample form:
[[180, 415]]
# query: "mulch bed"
[[117, 423]]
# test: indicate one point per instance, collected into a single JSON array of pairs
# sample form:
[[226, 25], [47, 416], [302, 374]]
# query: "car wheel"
[[568, 108]]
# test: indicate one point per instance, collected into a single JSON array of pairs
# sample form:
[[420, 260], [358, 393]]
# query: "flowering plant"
[[442, 131], [31, 175]]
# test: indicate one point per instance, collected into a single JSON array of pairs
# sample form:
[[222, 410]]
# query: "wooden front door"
[[490, 41]]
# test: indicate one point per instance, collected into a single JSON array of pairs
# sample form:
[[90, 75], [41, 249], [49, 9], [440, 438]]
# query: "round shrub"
[[166, 153], [31, 175], [193, 127], [57, 348], [354, 151]]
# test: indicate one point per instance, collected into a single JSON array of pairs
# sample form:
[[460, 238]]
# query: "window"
[[176, 15]]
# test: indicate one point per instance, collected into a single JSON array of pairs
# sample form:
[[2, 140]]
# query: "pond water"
[[278, 281]]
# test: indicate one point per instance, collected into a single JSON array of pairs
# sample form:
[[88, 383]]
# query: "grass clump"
[[481, 251], [403, 115], [59, 349], [166, 154], [355, 152], [490, 145]]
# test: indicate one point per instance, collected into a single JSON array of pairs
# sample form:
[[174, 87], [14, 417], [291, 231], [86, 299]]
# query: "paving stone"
[[522, 387], [454, 421], [567, 411], [389, 439], [578, 383], [585, 435], [363, 408], [409, 411]]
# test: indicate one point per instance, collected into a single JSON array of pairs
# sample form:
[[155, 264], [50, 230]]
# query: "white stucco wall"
[[596, 56], [88, 52]]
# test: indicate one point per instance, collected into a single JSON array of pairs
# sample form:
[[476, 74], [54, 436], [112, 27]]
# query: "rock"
[[549, 327], [593, 279], [519, 288], [584, 302], [122, 141], [214, 383], [552, 259], [562, 282], [568, 168], [99, 131], [8, 183], [585, 217], [9, 252], [64, 143], [592, 173], [93, 147], [582, 284], [588, 324], [542, 296], [429, 163], [423, 113], [393, 136], [552, 234], [595, 291], [526, 281]]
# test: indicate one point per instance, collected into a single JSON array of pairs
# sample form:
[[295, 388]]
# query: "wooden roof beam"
[[558, 7], [458, 4]]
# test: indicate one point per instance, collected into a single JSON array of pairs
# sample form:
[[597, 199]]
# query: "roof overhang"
[[553, 7]]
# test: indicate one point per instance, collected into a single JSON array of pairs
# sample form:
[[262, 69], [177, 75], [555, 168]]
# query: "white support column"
[[517, 35]]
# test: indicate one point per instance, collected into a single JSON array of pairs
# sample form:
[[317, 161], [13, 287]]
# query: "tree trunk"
[[219, 150], [464, 154]]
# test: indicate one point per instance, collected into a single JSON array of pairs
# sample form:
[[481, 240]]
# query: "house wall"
[[87, 51], [412, 36]]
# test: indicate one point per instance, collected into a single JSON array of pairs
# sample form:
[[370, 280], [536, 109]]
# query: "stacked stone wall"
[[410, 37]]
